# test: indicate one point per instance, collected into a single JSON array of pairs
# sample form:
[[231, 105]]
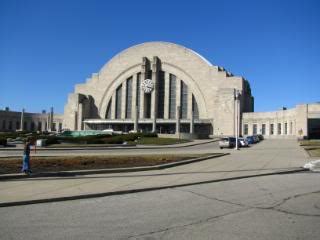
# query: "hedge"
[[3, 141]]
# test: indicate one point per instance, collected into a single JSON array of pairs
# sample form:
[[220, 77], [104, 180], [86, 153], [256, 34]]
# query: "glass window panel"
[[161, 89], [129, 98], [263, 129], [138, 93], [246, 129], [184, 100], [195, 108], [172, 97], [108, 115], [118, 102]]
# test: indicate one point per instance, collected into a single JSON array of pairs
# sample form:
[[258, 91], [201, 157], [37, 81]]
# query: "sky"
[[48, 46]]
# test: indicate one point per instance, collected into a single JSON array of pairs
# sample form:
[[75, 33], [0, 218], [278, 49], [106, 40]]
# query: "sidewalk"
[[268, 157]]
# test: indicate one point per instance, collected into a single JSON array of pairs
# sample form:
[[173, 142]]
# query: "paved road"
[[274, 207], [267, 157]]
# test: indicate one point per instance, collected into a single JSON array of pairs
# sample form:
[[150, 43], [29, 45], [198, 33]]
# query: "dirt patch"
[[68, 163]]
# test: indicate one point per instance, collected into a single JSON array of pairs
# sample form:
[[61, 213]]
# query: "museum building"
[[159, 87], [169, 89]]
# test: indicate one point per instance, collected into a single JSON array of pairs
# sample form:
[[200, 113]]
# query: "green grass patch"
[[160, 141], [314, 152], [312, 147], [310, 143]]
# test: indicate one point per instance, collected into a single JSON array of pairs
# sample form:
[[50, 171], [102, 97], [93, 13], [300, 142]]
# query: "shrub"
[[3, 141]]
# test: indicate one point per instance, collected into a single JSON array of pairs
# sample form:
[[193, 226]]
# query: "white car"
[[243, 142], [108, 131]]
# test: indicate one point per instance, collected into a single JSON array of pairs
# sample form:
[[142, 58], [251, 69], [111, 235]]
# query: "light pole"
[[237, 109]]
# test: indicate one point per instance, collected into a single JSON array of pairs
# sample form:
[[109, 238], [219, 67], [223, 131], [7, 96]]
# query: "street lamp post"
[[237, 109]]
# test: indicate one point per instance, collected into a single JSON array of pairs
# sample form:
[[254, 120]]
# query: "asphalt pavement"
[[265, 158], [278, 207]]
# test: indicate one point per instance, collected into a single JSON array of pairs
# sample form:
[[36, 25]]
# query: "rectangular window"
[[138, 93], [246, 129], [279, 128], [147, 104], [184, 100], [263, 130], [4, 124], [25, 126], [195, 108], [161, 89], [39, 126], [32, 126], [254, 130], [286, 128], [129, 98], [17, 125], [271, 129], [118, 102], [291, 128], [108, 115], [10, 125], [172, 97]]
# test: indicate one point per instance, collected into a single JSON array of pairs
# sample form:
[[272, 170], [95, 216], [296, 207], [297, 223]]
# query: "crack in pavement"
[[273, 207], [187, 225]]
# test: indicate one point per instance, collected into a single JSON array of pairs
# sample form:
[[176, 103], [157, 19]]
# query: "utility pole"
[[237, 109]]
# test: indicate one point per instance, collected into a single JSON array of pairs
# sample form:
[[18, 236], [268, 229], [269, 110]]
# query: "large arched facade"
[[158, 87]]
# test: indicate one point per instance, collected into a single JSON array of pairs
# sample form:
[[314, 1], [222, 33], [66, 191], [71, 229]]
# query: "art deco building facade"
[[159, 87], [169, 89]]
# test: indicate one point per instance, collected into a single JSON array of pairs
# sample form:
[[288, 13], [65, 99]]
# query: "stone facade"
[[203, 92], [302, 121]]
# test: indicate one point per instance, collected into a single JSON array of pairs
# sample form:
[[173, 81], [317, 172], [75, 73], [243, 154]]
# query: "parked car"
[[227, 142], [256, 138], [243, 142], [260, 136], [250, 139], [108, 131]]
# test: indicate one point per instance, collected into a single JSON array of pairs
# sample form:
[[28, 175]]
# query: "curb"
[[97, 195], [114, 170], [116, 147]]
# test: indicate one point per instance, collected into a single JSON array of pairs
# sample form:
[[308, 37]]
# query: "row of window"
[[15, 125], [273, 129], [147, 99]]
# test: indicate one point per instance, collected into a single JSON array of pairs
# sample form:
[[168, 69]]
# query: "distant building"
[[11, 121]]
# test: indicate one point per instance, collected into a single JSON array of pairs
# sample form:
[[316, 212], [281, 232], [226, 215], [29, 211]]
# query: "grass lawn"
[[68, 163], [310, 143], [312, 147], [314, 152], [160, 141], [142, 141]]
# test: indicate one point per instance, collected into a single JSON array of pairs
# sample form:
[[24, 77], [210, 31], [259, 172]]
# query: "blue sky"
[[46, 47]]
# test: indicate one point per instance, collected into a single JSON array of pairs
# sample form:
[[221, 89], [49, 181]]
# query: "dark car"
[[256, 138], [250, 140], [260, 137]]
